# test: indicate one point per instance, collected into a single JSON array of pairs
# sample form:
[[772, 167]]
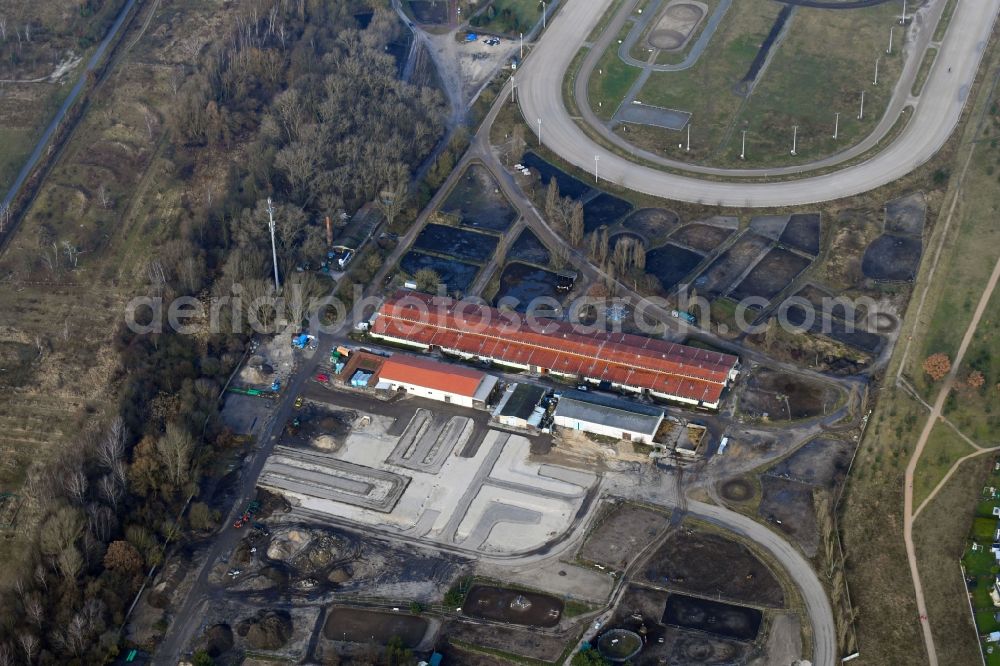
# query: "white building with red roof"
[[431, 379]]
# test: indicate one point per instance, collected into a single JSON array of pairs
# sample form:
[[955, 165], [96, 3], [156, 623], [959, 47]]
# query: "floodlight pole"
[[743, 150], [795, 138], [875, 82], [836, 125], [274, 250], [861, 114], [889, 50]]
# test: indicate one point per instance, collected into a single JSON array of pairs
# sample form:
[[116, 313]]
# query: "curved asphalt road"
[[540, 85], [817, 605]]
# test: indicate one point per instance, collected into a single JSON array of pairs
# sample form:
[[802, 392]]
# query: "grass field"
[[60, 35], [706, 89], [826, 59], [974, 410], [821, 68], [969, 259], [17, 144], [611, 81], [509, 17], [889, 632], [25, 111], [940, 533], [943, 450], [924, 71], [68, 315]]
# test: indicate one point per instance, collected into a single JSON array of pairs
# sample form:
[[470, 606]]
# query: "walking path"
[[908, 514]]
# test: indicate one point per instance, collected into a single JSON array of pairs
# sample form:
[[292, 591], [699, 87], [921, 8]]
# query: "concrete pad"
[[554, 517], [513, 466]]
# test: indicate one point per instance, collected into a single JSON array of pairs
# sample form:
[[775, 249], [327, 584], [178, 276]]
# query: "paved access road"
[[825, 652], [937, 112]]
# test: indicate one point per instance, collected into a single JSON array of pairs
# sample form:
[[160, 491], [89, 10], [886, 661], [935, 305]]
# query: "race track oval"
[[540, 85]]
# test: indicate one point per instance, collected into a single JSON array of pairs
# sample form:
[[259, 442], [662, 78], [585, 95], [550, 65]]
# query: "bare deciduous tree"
[[72, 253], [41, 577], [102, 194], [391, 200], [29, 644], [174, 449], [34, 609], [75, 485], [111, 449], [111, 490], [102, 521], [69, 562]]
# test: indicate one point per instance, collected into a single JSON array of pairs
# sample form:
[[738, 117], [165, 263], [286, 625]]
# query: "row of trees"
[[626, 257]]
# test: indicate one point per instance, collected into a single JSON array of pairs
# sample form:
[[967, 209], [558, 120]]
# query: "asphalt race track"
[[937, 112]]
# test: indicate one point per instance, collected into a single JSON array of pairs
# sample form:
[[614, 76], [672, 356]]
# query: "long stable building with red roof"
[[630, 362]]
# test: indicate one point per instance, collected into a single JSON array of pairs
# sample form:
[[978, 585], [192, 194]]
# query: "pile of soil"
[[267, 630], [218, 639]]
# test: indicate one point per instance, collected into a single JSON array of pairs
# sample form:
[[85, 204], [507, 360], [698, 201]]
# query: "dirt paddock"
[[698, 561], [621, 534], [514, 606]]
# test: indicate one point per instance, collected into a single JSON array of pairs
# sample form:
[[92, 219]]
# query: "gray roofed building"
[[608, 416]]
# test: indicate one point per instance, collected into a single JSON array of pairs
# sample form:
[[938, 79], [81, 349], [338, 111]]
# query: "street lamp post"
[[888, 51], [795, 138], [861, 114], [522, 46], [836, 124], [687, 149], [596, 159], [274, 251], [743, 149], [543, 14], [902, 21], [539, 131], [875, 82]]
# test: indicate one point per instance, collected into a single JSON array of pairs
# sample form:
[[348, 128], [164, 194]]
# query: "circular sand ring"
[[619, 645], [674, 27], [737, 490]]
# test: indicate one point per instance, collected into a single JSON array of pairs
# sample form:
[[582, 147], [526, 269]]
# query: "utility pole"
[[539, 131], [795, 138], [836, 125], [861, 114], [596, 159], [274, 250], [743, 150], [889, 50], [875, 82], [688, 148]]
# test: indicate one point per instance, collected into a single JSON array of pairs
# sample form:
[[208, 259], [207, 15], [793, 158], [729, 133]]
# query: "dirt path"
[[932, 419]]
